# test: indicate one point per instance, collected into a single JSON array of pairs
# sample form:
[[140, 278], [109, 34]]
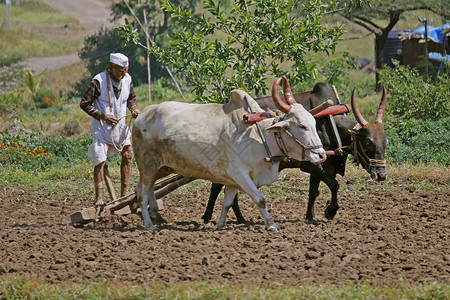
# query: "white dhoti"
[[98, 151]]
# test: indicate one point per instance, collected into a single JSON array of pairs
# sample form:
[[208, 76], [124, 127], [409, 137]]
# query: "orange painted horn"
[[321, 107], [284, 107], [288, 96]]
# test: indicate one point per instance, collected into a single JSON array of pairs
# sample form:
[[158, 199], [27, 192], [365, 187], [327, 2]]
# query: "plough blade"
[[127, 204]]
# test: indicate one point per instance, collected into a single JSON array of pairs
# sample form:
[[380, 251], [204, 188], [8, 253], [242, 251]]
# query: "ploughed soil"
[[384, 233]]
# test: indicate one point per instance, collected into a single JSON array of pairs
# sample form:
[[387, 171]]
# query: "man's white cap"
[[118, 59]]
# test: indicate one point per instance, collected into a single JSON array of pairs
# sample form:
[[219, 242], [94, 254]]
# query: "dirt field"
[[379, 235]]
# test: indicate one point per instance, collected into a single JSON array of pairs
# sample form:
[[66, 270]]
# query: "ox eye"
[[302, 126]]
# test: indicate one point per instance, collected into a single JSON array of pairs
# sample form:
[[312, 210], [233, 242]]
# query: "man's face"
[[117, 72]]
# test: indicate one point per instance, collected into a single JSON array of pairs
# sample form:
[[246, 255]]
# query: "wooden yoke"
[[334, 110]]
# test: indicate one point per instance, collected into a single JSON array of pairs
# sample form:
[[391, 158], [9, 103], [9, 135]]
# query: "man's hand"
[[135, 113], [111, 120]]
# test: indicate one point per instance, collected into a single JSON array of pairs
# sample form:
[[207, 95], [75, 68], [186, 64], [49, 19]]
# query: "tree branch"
[[360, 23], [363, 19], [137, 20]]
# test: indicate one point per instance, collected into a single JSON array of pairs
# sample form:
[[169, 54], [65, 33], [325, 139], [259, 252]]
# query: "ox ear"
[[353, 132], [278, 126]]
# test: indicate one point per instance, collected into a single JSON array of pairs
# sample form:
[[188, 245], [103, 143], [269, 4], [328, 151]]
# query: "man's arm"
[[131, 102], [87, 102]]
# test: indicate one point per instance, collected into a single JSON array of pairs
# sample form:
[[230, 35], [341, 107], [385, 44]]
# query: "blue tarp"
[[434, 33]]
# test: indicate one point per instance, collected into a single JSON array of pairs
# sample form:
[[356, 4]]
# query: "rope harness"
[[362, 158], [283, 148], [282, 145], [356, 149]]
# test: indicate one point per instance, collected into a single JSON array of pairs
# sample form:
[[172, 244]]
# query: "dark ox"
[[365, 141]]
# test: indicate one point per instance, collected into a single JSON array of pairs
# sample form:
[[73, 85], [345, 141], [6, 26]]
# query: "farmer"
[[106, 101]]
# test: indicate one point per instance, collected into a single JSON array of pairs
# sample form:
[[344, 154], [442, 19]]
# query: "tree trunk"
[[380, 41]]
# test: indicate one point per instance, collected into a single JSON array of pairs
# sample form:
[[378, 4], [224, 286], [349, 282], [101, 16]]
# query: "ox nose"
[[322, 157], [378, 174]]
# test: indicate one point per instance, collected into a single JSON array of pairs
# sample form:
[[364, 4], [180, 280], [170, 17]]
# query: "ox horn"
[[356, 111], [288, 96], [382, 107], [284, 107]]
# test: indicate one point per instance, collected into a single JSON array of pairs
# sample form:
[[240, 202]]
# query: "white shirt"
[[120, 134]]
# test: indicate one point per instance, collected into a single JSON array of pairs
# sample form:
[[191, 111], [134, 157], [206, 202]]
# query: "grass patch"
[[19, 42], [64, 79], [37, 30], [37, 12], [53, 120], [15, 287], [71, 180]]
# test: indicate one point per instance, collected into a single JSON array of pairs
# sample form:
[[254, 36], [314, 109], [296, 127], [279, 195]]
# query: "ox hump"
[[237, 99]]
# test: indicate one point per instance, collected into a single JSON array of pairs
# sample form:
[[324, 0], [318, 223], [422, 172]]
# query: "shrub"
[[419, 141], [413, 96], [30, 151], [11, 75], [23, 150], [8, 103], [44, 99]]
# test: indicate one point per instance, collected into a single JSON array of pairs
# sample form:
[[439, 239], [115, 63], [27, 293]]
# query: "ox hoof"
[[206, 219], [274, 227], [241, 220], [312, 221], [330, 212], [151, 228], [222, 227]]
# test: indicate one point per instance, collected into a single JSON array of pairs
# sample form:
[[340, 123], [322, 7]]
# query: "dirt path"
[[92, 14]]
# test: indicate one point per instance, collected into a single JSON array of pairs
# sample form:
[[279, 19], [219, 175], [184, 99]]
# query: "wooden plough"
[[126, 204]]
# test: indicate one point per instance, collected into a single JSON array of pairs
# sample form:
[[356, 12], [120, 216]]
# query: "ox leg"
[[250, 188], [314, 183], [230, 193], [237, 211], [146, 197], [333, 207], [318, 174], [215, 191]]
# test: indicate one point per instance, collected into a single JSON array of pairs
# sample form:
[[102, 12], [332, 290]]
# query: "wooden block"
[[86, 214], [123, 211]]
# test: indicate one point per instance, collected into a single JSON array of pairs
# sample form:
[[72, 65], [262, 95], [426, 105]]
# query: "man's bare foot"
[[100, 202]]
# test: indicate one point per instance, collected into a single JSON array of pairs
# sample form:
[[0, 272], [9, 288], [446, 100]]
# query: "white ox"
[[212, 142]]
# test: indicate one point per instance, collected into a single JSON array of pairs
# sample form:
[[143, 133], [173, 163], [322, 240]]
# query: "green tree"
[[245, 44], [96, 48], [374, 19], [158, 18], [95, 55]]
